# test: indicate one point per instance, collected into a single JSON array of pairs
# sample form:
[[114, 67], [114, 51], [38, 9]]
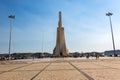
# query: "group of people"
[[96, 55]]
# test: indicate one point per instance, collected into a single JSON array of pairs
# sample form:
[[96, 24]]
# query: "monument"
[[60, 49]]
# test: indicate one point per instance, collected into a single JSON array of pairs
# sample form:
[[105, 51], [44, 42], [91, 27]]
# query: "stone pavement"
[[61, 69]]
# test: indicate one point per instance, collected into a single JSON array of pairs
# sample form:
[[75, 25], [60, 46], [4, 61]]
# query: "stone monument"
[[60, 49]]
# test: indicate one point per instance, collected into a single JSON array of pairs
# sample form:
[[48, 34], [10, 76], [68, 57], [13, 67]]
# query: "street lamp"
[[11, 17], [42, 55], [109, 15]]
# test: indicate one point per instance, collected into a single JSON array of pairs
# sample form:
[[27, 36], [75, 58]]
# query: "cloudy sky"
[[86, 25]]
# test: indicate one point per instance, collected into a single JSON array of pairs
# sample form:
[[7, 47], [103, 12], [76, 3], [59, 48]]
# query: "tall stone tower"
[[60, 49]]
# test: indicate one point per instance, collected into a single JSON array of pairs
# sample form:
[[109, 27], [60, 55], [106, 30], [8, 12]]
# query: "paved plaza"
[[61, 69]]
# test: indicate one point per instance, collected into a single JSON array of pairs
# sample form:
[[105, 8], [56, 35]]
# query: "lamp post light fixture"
[[109, 15], [9, 51]]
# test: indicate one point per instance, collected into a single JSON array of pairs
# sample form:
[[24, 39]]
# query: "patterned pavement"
[[62, 69]]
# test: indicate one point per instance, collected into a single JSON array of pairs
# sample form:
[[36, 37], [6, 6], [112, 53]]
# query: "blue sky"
[[86, 25]]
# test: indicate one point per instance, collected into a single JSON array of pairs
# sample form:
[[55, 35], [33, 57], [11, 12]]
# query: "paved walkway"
[[61, 69]]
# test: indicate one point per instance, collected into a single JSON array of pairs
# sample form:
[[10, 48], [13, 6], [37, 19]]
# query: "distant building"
[[111, 53]]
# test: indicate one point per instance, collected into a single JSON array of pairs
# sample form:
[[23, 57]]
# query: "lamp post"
[[42, 55], [9, 51], [109, 15]]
